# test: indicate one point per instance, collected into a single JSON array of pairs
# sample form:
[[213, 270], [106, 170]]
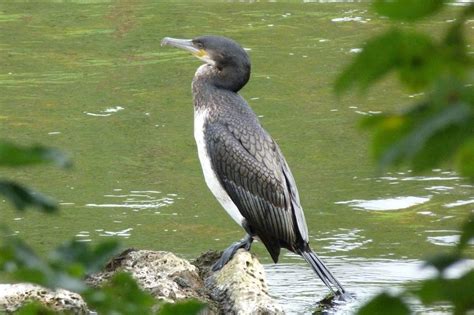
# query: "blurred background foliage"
[[437, 131], [67, 266]]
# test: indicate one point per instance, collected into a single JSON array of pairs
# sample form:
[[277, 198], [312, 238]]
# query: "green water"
[[91, 78]]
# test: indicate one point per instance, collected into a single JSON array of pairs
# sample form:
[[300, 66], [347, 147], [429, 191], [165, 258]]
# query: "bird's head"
[[225, 55], [217, 51]]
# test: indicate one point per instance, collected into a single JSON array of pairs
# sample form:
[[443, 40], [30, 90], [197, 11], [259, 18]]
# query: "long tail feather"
[[322, 271]]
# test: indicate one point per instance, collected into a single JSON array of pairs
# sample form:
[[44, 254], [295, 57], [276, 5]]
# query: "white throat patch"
[[200, 116], [203, 69]]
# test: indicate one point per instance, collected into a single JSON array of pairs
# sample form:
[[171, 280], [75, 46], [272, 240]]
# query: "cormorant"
[[242, 165]]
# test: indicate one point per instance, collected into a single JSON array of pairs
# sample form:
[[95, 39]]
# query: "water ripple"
[[345, 240], [297, 288], [396, 203], [106, 112], [445, 240], [136, 200], [459, 203]]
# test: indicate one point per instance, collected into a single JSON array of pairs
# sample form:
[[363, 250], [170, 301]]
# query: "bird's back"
[[251, 170]]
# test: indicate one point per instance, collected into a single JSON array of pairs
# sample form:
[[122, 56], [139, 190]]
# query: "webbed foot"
[[229, 252]]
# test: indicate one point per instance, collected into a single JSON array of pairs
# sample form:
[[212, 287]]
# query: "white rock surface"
[[240, 287], [13, 296], [163, 274]]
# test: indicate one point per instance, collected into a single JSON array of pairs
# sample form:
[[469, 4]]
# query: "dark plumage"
[[242, 164]]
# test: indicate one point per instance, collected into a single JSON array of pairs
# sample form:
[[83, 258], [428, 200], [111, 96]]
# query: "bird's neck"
[[210, 81], [232, 77]]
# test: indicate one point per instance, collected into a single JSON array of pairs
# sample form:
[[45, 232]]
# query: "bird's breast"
[[201, 117]]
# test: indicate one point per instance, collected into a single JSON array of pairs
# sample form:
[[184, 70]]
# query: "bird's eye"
[[199, 45]]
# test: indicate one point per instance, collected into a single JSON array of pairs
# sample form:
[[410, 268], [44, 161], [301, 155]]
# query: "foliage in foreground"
[[12, 155], [440, 127], [66, 266], [437, 130]]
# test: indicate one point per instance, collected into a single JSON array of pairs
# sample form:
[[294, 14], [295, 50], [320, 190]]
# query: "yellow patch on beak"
[[204, 56], [201, 53]]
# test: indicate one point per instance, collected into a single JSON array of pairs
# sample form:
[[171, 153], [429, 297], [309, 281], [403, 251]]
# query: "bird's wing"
[[255, 175], [295, 199]]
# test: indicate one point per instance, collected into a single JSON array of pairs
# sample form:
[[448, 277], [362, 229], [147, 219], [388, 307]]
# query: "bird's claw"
[[226, 256], [229, 252]]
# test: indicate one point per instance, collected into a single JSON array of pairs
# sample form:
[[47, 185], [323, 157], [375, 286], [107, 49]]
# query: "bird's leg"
[[227, 255]]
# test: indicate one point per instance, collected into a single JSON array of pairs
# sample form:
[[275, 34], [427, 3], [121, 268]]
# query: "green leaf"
[[455, 43], [425, 136], [65, 268], [407, 10], [443, 124], [465, 158], [419, 60], [15, 155], [388, 130], [31, 275], [182, 308], [377, 58], [456, 291], [35, 308], [448, 123], [18, 259], [14, 254], [432, 290], [442, 261], [415, 56], [73, 254], [120, 295], [22, 197], [384, 304], [467, 231]]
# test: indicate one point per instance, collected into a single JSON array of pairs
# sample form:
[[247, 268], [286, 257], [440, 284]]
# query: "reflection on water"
[[396, 203], [124, 233], [85, 236], [350, 19], [449, 181], [450, 237], [447, 176], [106, 112], [445, 240], [298, 289], [344, 240], [136, 200], [459, 203]]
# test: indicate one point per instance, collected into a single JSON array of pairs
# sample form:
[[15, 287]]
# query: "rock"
[[164, 275], [240, 286], [13, 296]]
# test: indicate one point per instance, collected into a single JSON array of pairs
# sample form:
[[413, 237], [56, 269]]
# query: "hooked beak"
[[188, 45]]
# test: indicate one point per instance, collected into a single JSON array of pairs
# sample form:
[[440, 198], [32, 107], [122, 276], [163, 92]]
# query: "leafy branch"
[[12, 155], [68, 265], [438, 129], [435, 131]]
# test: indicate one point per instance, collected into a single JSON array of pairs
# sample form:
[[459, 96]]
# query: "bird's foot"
[[343, 296], [229, 252]]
